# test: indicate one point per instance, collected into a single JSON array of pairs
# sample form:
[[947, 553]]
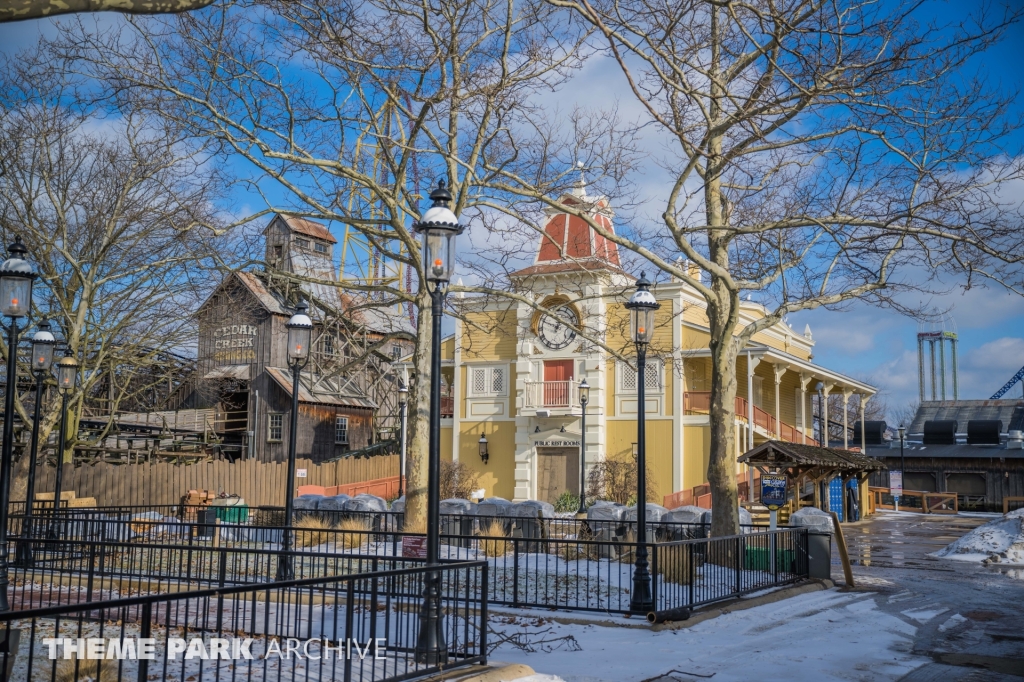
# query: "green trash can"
[[231, 510], [757, 559]]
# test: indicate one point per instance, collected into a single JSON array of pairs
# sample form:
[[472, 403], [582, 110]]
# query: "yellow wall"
[[488, 336], [448, 348], [446, 443], [696, 452], [619, 445], [498, 476]]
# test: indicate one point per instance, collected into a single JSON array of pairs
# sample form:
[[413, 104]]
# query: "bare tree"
[[377, 101], [903, 415], [810, 152], [18, 10], [113, 215]]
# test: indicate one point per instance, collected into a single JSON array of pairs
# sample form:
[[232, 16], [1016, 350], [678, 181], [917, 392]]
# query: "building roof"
[[376, 318], [239, 372], [566, 265], [307, 227], [1010, 412], [957, 451], [569, 243], [776, 453], [283, 378]]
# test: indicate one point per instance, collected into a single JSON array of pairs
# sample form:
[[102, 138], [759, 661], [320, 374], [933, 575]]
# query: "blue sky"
[[871, 344]]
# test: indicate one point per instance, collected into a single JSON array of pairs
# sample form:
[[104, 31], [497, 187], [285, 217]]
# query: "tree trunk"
[[725, 519], [19, 478], [419, 424], [723, 316]]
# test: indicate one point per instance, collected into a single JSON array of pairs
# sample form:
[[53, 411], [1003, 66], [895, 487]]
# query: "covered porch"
[[811, 470]]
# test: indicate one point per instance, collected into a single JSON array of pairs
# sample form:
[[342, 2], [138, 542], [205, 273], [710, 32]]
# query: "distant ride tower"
[[938, 372]]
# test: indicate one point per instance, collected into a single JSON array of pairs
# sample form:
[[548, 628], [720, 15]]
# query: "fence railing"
[[699, 402], [359, 627], [557, 394], [531, 566]]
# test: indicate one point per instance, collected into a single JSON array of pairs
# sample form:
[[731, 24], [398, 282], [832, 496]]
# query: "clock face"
[[554, 332]]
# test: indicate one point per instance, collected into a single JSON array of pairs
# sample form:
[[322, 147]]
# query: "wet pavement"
[[969, 617]]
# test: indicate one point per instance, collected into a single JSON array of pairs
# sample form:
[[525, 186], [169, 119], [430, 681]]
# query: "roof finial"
[[580, 190]]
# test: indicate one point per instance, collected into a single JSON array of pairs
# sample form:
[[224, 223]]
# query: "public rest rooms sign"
[[234, 343]]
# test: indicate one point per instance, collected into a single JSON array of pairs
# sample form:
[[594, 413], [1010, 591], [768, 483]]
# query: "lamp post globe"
[[438, 229], [42, 358], [16, 277], [300, 335], [642, 307], [584, 393]]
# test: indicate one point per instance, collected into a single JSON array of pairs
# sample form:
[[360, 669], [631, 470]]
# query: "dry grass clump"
[[674, 564], [491, 547], [88, 671], [355, 537], [313, 533]]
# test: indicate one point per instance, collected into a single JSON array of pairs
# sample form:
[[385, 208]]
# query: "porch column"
[[847, 392], [864, 398], [828, 386], [752, 362], [804, 380], [780, 371]]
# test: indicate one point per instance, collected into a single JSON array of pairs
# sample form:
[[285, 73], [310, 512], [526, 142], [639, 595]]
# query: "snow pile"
[[999, 541]]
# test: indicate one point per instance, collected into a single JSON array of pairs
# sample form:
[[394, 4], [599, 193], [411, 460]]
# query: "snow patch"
[[951, 622], [999, 541]]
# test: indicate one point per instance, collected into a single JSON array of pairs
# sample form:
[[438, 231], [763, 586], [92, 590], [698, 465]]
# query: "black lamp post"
[[903, 462], [584, 399], [300, 332], [438, 228], [15, 301], [42, 357], [67, 380], [641, 306], [403, 406]]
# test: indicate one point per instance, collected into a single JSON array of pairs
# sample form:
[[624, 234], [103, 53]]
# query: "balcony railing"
[[699, 402], [551, 394]]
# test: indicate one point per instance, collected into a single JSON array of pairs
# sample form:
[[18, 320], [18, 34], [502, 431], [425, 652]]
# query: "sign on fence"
[[300, 473], [896, 484], [414, 548], [773, 491]]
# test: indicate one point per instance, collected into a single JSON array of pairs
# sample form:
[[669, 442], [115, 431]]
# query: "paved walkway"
[[969, 618]]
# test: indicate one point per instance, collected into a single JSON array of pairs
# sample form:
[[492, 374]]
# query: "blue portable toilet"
[[835, 496]]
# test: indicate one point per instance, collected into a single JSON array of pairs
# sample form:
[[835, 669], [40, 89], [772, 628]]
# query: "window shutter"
[[628, 375], [498, 380], [479, 381]]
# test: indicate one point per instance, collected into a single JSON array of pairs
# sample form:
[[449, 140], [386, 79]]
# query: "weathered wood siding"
[[260, 483]]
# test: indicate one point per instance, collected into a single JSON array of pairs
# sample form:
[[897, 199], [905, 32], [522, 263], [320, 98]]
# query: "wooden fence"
[[260, 483]]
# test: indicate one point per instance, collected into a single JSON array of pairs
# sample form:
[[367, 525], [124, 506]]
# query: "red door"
[[558, 376]]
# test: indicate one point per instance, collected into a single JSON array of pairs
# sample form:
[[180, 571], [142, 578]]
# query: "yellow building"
[[514, 373]]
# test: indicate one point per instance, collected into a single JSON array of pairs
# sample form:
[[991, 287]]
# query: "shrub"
[[615, 480], [491, 547], [314, 531], [353, 533], [88, 670], [674, 563], [567, 502], [457, 480]]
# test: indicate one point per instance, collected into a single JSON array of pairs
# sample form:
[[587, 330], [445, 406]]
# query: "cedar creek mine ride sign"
[[234, 343]]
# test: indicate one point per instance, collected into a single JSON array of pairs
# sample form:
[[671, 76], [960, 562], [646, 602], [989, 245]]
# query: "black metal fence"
[[104, 559], [363, 627]]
